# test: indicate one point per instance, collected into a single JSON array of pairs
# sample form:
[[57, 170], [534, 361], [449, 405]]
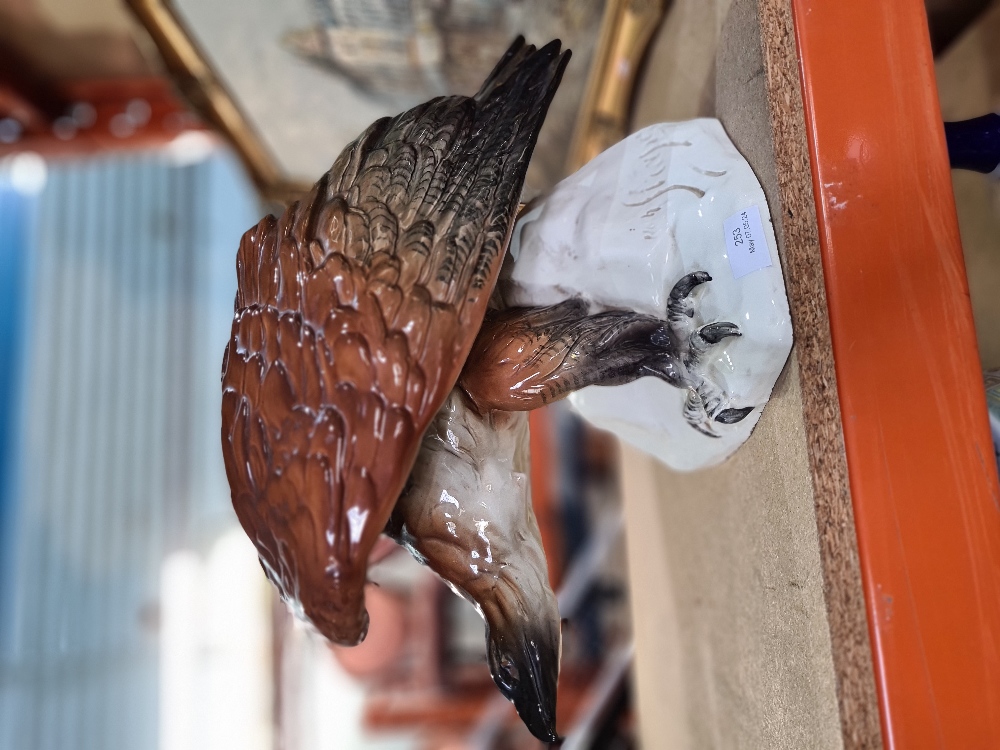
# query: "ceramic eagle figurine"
[[355, 314]]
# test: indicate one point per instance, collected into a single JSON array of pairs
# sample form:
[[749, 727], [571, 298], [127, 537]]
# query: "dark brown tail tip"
[[519, 53]]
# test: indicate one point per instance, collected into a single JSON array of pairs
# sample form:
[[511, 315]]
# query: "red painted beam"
[[543, 499], [126, 113], [923, 482]]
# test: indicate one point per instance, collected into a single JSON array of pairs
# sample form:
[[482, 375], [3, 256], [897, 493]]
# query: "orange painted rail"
[[924, 485]]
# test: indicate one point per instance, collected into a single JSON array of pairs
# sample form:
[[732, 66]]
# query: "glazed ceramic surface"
[[670, 200], [466, 513], [354, 313]]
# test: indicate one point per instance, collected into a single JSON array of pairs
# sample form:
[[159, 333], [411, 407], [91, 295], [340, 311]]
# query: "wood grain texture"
[[760, 553], [926, 497], [797, 229]]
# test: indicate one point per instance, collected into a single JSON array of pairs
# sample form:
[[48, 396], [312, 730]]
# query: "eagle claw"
[[706, 402]]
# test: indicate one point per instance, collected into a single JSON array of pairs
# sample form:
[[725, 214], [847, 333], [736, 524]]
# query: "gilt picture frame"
[[289, 84]]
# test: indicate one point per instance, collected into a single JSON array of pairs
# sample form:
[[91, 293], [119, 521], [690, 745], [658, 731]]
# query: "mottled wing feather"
[[354, 314]]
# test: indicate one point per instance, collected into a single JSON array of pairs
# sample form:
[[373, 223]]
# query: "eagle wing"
[[355, 312]]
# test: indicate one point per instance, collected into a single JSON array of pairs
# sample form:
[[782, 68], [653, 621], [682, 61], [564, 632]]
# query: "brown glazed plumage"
[[355, 312]]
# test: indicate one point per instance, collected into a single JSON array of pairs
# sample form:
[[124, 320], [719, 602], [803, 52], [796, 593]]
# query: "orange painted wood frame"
[[919, 454]]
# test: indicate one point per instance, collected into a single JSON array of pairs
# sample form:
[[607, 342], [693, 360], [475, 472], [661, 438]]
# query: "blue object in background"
[[974, 144], [116, 298], [16, 214]]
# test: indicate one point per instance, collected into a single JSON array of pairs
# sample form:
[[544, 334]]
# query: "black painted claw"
[[704, 338], [705, 401], [732, 416], [680, 305], [696, 414], [713, 333]]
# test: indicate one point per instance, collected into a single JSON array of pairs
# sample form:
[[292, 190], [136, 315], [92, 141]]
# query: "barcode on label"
[[747, 245]]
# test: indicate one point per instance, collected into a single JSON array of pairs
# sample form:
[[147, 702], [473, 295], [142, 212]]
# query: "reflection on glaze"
[[621, 233], [353, 314], [466, 512]]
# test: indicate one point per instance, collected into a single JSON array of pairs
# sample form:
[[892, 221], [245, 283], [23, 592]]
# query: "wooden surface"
[[925, 494], [802, 263], [750, 627], [733, 645]]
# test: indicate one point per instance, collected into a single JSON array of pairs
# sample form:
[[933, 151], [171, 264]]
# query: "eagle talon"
[[732, 416], [713, 333], [704, 403], [704, 338], [697, 415], [680, 302]]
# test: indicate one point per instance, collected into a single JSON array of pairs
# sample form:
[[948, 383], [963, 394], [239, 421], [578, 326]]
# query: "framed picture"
[[291, 82]]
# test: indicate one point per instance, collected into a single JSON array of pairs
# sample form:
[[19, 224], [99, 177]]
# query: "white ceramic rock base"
[[621, 232]]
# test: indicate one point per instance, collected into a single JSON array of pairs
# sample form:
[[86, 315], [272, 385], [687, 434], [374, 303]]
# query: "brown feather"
[[355, 312]]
